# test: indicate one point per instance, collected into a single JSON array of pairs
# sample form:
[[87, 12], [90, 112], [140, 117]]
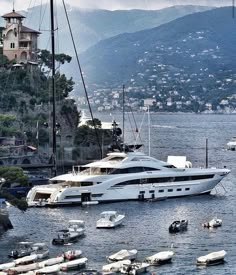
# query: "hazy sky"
[[6, 5]]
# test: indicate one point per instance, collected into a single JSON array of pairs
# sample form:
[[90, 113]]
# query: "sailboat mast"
[[53, 90], [123, 103]]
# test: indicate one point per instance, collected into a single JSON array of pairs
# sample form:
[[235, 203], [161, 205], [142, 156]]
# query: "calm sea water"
[[146, 224]]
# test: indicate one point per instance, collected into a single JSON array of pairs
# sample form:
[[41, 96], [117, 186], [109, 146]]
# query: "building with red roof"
[[19, 42]]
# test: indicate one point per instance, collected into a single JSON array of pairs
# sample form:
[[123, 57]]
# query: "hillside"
[[92, 26], [189, 42], [190, 60]]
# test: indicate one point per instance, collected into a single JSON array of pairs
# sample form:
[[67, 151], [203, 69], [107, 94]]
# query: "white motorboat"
[[74, 264], [29, 248], [213, 223], [72, 254], [134, 268], [125, 176], [160, 258], [123, 254], [231, 145], [110, 219], [77, 226], [115, 267], [212, 258]]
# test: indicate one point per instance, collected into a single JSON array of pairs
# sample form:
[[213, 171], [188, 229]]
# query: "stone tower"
[[19, 42]]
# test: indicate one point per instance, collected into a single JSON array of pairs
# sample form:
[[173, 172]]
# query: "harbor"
[[146, 224]]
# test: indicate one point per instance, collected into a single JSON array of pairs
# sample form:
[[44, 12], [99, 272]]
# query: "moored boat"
[[213, 223], [72, 254], [135, 268], [115, 266], [123, 254], [213, 258], [109, 219], [48, 270], [73, 264], [178, 226], [136, 176], [65, 237], [77, 226], [160, 258]]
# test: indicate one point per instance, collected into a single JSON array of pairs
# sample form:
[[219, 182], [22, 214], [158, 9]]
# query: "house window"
[[12, 45]]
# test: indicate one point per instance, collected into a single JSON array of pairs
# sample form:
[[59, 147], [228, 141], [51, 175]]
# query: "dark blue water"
[[146, 224]]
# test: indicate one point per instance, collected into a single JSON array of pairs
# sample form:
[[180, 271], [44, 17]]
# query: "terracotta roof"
[[13, 14], [28, 30]]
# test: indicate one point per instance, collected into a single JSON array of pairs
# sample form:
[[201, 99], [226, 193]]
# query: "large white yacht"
[[125, 176]]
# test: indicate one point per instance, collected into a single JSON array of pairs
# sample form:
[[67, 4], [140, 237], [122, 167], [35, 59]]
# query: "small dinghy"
[[26, 260], [115, 267], [48, 270], [123, 255], [213, 223], [77, 226], [178, 226], [72, 254], [135, 268], [52, 261], [23, 249], [74, 264], [160, 258], [6, 266], [110, 219], [65, 237], [23, 268], [213, 258]]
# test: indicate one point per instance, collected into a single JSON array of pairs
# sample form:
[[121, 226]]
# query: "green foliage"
[[94, 123], [86, 135], [45, 58], [13, 174]]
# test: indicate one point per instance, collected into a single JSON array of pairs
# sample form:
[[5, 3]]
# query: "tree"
[[8, 175]]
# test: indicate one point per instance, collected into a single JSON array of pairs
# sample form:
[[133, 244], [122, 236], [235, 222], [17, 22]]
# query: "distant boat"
[[231, 145], [85, 118], [213, 223], [110, 219]]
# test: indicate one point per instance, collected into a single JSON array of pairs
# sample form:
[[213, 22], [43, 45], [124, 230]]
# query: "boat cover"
[[123, 254]]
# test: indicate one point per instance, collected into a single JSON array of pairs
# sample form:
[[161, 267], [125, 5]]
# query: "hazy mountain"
[[188, 44], [91, 26]]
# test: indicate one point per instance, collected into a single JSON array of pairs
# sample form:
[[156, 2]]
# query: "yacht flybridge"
[[125, 176]]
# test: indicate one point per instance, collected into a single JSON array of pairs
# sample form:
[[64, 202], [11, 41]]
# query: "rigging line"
[[131, 127], [81, 74], [42, 16], [134, 120], [139, 136]]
